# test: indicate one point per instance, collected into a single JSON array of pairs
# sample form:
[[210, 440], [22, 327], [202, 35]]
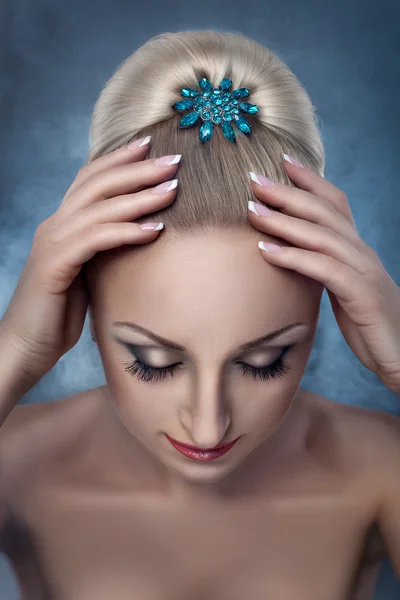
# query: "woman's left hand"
[[318, 221]]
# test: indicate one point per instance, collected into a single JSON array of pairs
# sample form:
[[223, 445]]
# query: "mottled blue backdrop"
[[56, 56]]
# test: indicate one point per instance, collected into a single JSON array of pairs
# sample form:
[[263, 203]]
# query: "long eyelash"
[[146, 373], [278, 369]]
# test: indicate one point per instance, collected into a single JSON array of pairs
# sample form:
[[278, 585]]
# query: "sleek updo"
[[213, 177]]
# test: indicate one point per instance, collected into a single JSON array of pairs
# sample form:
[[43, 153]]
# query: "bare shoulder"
[[365, 438], [34, 434]]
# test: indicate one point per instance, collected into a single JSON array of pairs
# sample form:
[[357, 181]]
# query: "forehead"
[[195, 283]]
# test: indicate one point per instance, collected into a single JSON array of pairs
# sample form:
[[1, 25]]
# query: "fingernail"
[[293, 161], [152, 226], [259, 209], [261, 180], [139, 143], [166, 161], [269, 247], [165, 187]]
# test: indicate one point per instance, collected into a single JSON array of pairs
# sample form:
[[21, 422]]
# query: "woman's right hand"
[[46, 314]]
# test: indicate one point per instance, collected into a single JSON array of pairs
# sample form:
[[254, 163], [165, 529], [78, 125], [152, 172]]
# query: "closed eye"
[[145, 373]]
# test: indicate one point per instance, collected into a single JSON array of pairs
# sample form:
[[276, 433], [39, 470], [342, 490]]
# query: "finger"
[[75, 310], [351, 333], [121, 208], [298, 203], [310, 236], [117, 157], [118, 180], [308, 180], [64, 260], [339, 278]]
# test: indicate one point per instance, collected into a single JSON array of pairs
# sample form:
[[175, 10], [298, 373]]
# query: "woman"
[[200, 469]]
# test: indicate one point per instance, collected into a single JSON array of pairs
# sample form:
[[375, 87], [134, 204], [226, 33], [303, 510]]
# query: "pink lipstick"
[[202, 454]]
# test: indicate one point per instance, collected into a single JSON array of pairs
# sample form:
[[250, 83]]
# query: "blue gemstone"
[[205, 84], [225, 84], [183, 105], [189, 120], [228, 132], [189, 93], [242, 124], [215, 107], [241, 93], [206, 131], [252, 109]]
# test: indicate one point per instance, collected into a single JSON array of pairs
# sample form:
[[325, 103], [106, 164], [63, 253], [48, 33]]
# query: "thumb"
[[75, 310]]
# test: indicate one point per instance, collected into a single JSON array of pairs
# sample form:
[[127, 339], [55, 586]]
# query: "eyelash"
[[145, 373]]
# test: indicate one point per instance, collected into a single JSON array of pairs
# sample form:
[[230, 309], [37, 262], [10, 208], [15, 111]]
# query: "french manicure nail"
[[293, 161], [261, 180], [167, 161], [269, 247], [165, 187], [140, 142], [152, 226], [259, 209]]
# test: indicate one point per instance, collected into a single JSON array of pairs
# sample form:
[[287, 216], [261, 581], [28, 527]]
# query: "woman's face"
[[186, 307]]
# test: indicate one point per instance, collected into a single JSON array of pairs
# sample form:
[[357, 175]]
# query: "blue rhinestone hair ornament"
[[215, 106]]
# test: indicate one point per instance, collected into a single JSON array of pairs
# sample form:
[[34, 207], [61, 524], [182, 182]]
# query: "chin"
[[200, 472]]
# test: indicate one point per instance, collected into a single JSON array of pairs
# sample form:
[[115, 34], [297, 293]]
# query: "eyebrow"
[[170, 344]]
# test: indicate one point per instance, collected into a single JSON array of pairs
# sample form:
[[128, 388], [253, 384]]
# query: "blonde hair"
[[213, 177]]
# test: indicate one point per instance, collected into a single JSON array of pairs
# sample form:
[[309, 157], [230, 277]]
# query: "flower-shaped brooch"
[[215, 106]]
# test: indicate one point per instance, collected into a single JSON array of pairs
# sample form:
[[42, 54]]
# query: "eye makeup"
[[146, 373]]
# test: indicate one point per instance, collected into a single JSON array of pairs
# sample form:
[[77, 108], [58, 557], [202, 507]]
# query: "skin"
[[205, 403], [103, 506]]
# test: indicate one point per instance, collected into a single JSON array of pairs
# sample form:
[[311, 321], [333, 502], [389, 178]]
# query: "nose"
[[206, 419]]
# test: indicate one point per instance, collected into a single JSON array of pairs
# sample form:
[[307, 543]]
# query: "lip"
[[202, 454]]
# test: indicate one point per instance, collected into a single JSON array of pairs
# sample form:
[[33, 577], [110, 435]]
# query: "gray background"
[[56, 56]]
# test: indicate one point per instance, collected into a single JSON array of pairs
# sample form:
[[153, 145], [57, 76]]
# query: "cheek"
[[261, 405], [133, 412], [126, 395], [261, 408], [277, 389], [142, 407]]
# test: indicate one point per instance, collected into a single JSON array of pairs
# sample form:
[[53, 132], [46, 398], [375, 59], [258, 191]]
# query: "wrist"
[[15, 379]]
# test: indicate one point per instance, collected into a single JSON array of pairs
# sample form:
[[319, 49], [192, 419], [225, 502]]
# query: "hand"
[[365, 300], [47, 312]]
